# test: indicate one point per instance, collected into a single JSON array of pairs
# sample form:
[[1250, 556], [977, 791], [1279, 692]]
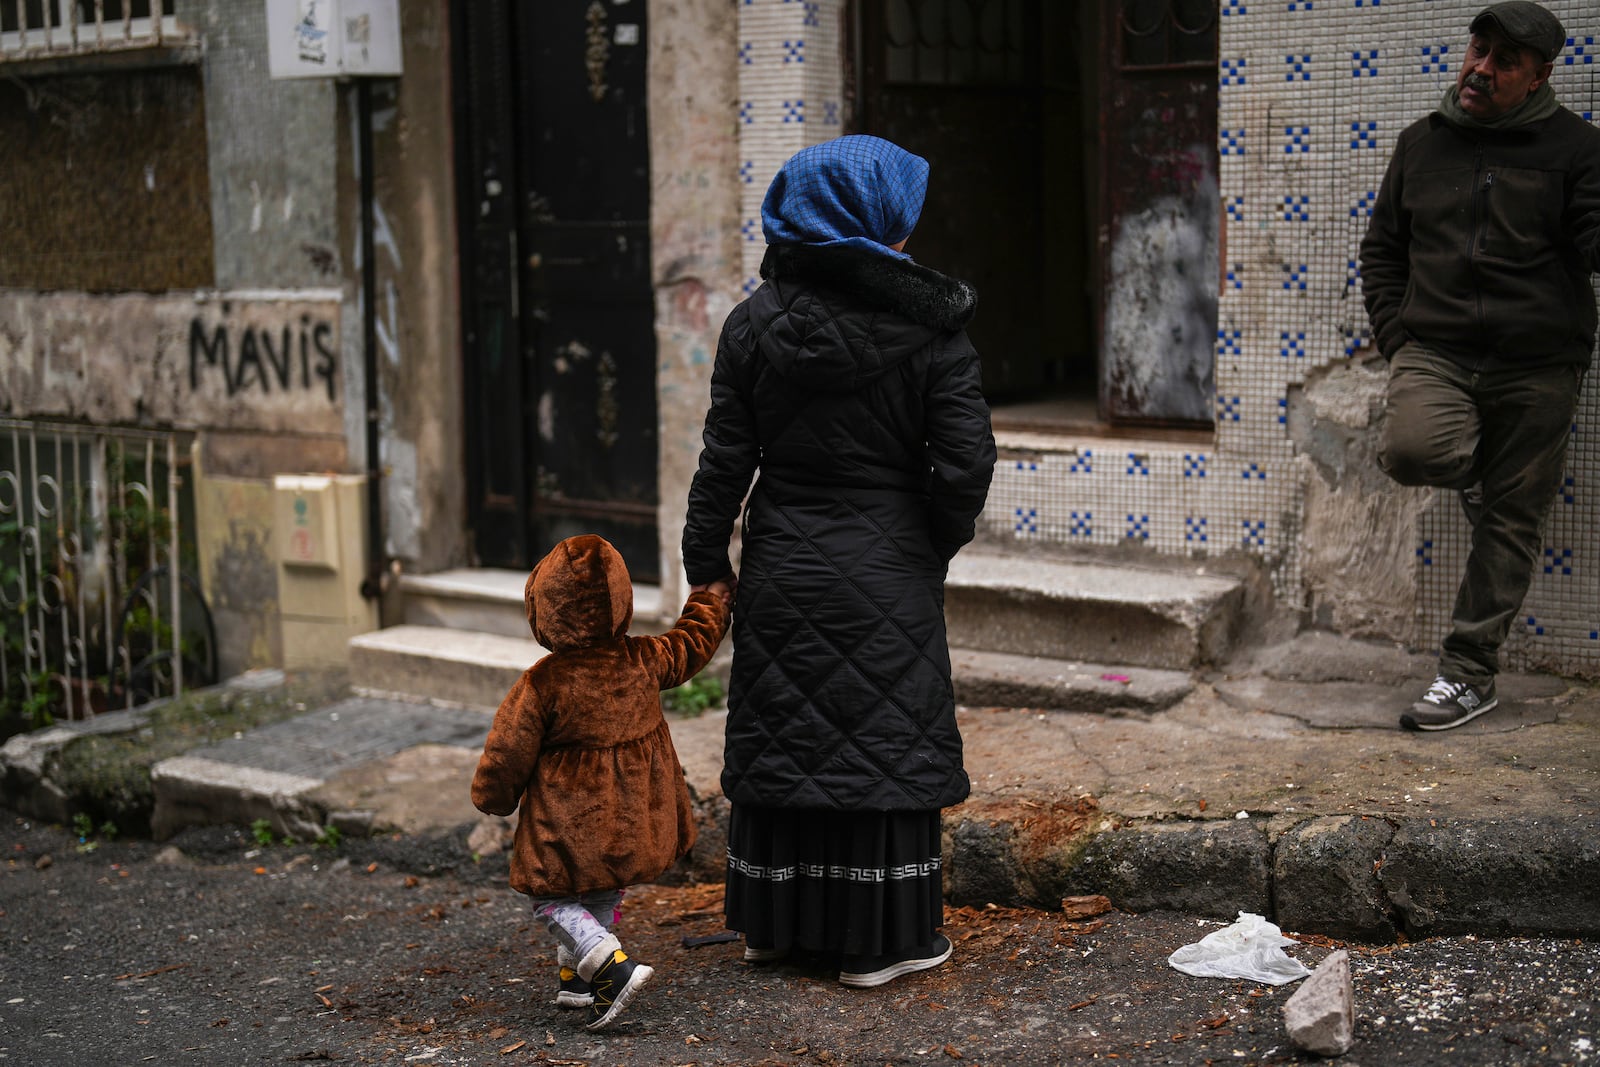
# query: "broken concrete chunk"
[[1321, 1016]]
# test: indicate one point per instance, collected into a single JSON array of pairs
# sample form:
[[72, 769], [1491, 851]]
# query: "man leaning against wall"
[[1475, 269]]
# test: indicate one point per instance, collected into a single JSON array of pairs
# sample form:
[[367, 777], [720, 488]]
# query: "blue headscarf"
[[859, 191]]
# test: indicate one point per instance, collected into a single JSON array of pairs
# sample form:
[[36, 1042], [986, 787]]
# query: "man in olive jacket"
[[1475, 269]]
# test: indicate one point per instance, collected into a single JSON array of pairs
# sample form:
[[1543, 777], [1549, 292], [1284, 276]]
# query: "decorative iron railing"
[[99, 608], [36, 29]]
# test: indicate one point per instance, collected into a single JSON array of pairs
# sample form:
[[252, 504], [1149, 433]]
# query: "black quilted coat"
[[848, 382]]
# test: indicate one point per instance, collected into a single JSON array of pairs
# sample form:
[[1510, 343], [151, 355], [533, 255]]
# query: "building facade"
[[507, 269]]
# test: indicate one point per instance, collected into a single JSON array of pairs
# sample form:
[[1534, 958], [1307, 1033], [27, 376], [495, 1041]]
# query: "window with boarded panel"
[[104, 183]]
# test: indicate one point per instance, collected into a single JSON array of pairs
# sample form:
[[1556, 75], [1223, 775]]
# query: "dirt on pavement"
[[215, 949]]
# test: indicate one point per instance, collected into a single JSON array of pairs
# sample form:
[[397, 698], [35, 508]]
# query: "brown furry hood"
[[580, 594]]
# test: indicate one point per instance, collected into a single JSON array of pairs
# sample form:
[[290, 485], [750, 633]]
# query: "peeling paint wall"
[[418, 318], [694, 226], [225, 361]]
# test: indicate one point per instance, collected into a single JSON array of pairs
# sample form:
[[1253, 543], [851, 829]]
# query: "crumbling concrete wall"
[[694, 223], [1358, 541]]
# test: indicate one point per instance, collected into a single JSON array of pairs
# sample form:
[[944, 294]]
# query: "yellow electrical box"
[[319, 528]]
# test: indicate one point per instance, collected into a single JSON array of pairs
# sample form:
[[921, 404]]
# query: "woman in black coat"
[[847, 381]]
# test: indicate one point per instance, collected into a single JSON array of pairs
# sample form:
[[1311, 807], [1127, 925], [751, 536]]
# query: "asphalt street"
[[213, 949]]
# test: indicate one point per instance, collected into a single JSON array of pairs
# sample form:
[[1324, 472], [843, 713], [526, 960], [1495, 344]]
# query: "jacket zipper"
[[1479, 233]]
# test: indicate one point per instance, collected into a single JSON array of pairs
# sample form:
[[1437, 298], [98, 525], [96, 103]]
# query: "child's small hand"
[[724, 590]]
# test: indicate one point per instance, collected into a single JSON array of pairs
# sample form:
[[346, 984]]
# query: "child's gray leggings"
[[582, 922]]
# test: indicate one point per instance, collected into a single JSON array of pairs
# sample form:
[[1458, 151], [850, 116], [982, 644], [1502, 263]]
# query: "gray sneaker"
[[1448, 704]]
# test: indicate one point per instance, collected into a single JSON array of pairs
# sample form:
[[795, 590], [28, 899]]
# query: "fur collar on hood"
[[904, 287], [580, 594]]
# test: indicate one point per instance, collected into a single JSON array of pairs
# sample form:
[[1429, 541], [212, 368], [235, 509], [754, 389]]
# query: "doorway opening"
[[1074, 184], [557, 305]]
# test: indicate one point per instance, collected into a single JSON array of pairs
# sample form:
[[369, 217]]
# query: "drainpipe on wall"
[[372, 586]]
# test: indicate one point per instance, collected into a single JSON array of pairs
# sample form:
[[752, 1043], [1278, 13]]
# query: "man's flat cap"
[[1524, 23]]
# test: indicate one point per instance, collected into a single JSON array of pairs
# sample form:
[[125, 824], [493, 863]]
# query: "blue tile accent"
[[813, 12], [1082, 524], [1027, 521], [1230, 343], [1138, 528], [1232, 72], [1433, 59], [1231, 142], [1254, 470], [830, 113], [1236, 208], [1194, 528], [1299, 5], [1138, 466], [1083, 462], [1292, 345], [750, 285], [1356, 339], [1234, 7], [1568, 489], [1535, 626], [1194, 465], [1558, 560], [1283, 411], [794, 51], [1363, 135], [1425, 553], [1296, 139], [751, 228], [747, 171], [1580, 52], [1228, 408], [1031, 466], [1296, 208], [1364, 64], [1299, 67], [1362, 208], [747, 112], [1236, 277], [1255, 533], [794, 111], [1297, 276], [747, 53]]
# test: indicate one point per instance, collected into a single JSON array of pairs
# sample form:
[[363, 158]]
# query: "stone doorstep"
[[1174, 618], [489, 600]]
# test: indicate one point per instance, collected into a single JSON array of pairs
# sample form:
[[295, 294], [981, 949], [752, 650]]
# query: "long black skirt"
[[859, 883]]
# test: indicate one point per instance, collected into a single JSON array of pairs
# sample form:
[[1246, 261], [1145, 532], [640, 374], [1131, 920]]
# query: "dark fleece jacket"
[[580, 740]]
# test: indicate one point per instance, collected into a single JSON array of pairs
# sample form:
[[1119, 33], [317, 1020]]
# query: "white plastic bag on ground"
[[1251, 948]]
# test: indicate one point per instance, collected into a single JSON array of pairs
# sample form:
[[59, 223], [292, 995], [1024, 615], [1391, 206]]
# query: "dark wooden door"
[[975, 87], [568, 388], [1160, 210]]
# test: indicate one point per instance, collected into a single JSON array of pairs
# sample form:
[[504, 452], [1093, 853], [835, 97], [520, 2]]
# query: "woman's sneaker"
[[864, 972], [613, 985], [1448, 704], [765, 955]]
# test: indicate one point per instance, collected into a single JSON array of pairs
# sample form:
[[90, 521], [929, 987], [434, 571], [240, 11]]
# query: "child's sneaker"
[[613, 985], [574, 991]]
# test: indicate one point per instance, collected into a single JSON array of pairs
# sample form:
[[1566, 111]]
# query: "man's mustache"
[[1477, 82]]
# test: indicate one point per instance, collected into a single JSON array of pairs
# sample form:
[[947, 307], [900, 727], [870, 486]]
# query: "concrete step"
[[1169, 617], [489, 600], [457, 666]]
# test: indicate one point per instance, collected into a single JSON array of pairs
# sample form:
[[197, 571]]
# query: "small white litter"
[[1251, 948]]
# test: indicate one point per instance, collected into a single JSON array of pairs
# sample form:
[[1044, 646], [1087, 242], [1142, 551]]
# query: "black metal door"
[[581, 406]]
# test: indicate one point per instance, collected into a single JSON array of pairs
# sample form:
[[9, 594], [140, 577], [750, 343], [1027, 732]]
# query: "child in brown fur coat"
[[581, 744]]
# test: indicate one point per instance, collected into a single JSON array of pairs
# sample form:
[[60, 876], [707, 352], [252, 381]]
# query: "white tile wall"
[[1312, 94]]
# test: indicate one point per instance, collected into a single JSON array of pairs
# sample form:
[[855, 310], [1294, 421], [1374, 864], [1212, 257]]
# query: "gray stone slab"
[[1325, 878], [1513, 876], [1000, 679], [1525, 700], [331, 740]]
